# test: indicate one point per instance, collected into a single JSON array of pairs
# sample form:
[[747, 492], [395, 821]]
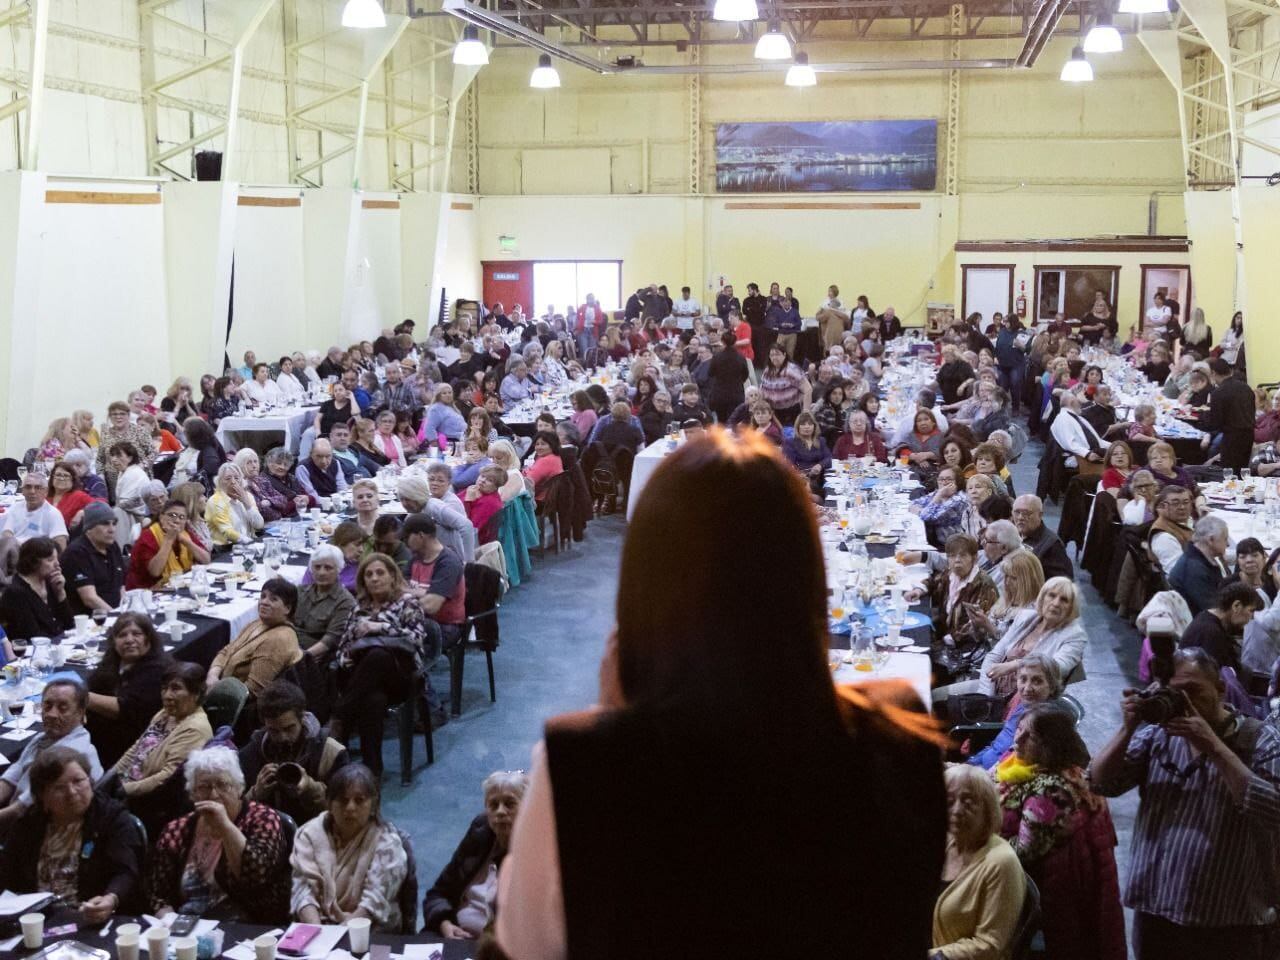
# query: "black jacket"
[[1197, 578], [138, 691], [112, 849], [1231, 413], [1208, 632], [951, 376], [728, 371], [655, 423], [445, 896], [1049, 550], [24, 615]]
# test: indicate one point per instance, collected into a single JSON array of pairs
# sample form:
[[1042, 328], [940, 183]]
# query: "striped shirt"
[[1198, 858]]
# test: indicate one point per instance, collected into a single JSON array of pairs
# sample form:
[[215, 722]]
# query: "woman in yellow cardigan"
[[983, 883], [179, 728]]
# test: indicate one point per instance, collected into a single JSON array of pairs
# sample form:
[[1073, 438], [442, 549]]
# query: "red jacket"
[[602, 320], [1080, 893]]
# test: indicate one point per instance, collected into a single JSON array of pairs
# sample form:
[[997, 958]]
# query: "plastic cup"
[[82, 624], [127, 945], [184, 948], [176, 630], [130, 930], [33, 930], [171, 614], [158, 943], [264, 948], [357, 935]]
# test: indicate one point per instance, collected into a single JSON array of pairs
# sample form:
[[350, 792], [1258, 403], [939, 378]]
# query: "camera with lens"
[[1162, 703], [289, 774]]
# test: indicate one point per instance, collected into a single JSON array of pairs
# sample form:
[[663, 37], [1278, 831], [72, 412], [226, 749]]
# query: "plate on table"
[[162, 626]]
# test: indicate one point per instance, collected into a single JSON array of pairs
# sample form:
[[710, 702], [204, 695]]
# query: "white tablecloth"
[[290, 421], [647, 461], [915, 668]]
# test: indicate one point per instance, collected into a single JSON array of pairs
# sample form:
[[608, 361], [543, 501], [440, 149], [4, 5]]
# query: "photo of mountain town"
[[847, 155]]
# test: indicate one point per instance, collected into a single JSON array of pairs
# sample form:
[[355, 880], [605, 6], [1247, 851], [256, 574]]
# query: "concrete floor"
[[553, 630]]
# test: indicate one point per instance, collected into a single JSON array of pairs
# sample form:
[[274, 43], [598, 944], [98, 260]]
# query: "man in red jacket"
[[590, 326]]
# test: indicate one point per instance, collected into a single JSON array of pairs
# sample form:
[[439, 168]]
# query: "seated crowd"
[[240, 771]]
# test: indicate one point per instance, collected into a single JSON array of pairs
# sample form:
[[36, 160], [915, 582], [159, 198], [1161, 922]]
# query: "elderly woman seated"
[[1047, 803], [434, 497], [946, 510], [231, 512], [962, 587], [76, 844], [179, 728], [1039, 681], [164, 550], [226, 860], [324, 604], [983, 885], [264, 649], [460, 904], [349, 862], [1053, 628], [278, 492], [34, 604]]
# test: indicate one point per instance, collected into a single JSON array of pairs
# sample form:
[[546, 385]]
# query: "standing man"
[[727, 303], [1231, 413], [591, 324], [686, 310], [1206, 843], [754, 309], [93, 565]]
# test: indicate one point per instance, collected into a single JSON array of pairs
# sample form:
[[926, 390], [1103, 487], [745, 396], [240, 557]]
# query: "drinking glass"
[[99, 618], [200, 587]]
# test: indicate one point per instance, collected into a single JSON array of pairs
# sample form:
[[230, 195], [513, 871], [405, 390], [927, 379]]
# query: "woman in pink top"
[[546, 463], [584, 414], [483, 502]]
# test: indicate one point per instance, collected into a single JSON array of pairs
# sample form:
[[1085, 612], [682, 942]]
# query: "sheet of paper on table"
[[14, 903], [18, 735], [423, 951]]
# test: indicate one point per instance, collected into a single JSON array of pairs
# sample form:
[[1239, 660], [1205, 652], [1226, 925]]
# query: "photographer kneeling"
[[1206, 843]]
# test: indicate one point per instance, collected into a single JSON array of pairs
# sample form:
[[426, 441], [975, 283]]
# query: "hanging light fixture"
[[544, 74], [736, 10], [363, 15], [1103, 37], [800, 74], [1144, 6], [470, 52], [773, 45], [1077, 69]]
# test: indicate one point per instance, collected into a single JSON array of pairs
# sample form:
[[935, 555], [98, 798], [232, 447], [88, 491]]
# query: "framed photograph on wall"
[[840, 156]]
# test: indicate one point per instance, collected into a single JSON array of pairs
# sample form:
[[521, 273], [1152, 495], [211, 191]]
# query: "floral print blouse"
[[1039, 814], [403, 628]]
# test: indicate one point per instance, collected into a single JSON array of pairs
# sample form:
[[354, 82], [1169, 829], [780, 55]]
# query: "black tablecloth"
[[233, 933]]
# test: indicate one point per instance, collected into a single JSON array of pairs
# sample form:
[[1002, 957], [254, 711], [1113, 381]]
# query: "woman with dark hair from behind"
[[682, 740], [1062, 833]]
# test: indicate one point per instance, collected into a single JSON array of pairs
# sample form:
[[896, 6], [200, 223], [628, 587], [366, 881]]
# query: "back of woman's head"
[[737, 616]]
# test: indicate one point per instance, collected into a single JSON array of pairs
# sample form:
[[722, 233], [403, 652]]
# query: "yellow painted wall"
[[1213, 255], [1260, 224]]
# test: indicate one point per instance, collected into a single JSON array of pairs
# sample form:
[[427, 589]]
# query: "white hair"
[[243, 456], [327, 551], [227, 471], [214, 761], [1207, 527], [514, 780], [439, 466], [1004, 533]]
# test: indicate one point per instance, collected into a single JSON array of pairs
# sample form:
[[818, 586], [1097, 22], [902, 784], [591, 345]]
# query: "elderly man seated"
[[515, 385], [396, 394], [62, 710], [1199, 573], [1076, 436], [288, 760], [33, 515], [1028, 517], [347, 459], [320, 475], [1171, 530], [93, 565]]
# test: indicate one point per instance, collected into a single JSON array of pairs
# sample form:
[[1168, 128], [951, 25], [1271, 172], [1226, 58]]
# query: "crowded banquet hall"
[[836, 439]]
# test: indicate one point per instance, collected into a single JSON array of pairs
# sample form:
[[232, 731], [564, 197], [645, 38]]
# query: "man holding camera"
[[1203, 874], [288, 760]]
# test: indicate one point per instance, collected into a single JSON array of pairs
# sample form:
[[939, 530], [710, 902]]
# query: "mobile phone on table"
[[296, 940], [183, 925]]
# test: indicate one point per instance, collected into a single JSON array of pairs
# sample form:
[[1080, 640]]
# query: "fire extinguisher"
[[1020, 304]]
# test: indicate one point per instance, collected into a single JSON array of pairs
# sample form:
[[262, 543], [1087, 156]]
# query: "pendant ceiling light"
[[801, 74], [1103, 37], [544, 74], [735, 10], [470, 52], [363, 15], [1077, 69], [774, 44]]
